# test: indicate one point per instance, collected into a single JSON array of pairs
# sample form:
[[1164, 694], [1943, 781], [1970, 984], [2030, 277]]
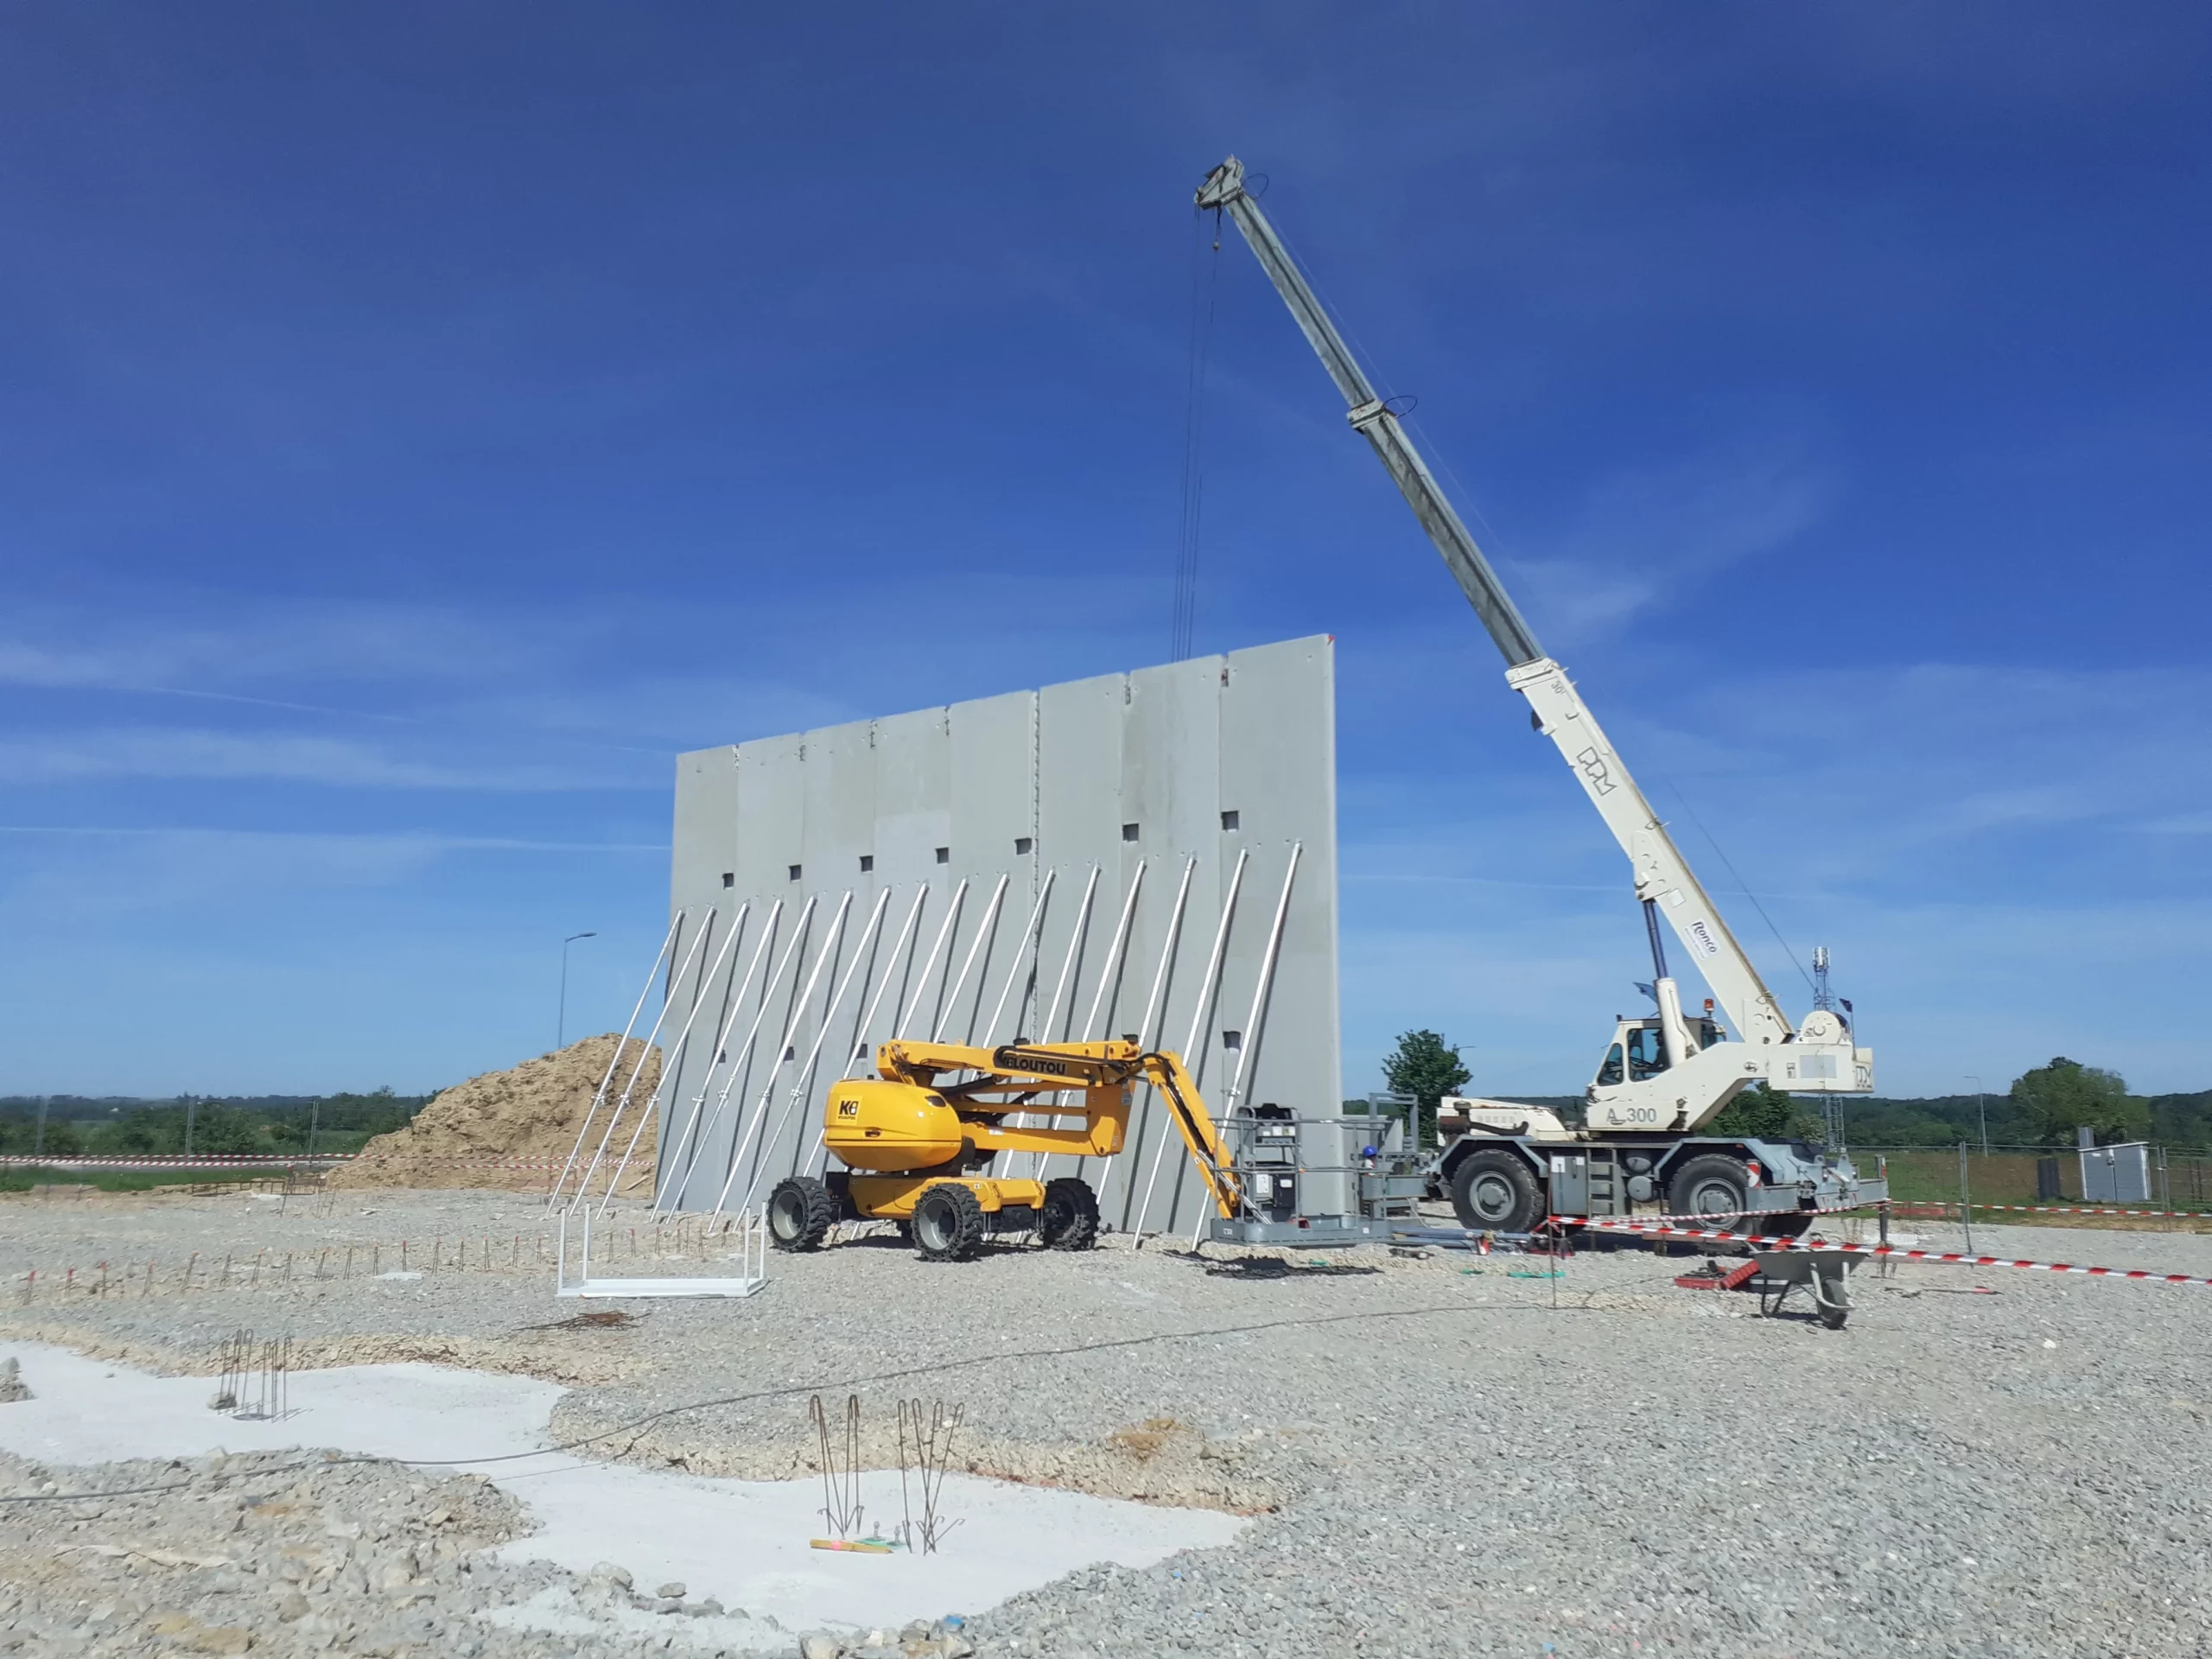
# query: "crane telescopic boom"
[[1819, 1055]]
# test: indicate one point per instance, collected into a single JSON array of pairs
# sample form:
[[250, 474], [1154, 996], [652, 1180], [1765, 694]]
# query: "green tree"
[[1761, 1113], [2066, 1095], [225, 1131], [1427, 1067]]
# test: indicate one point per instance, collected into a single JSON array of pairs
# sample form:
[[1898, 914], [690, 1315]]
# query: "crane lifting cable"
[[1206, 273]]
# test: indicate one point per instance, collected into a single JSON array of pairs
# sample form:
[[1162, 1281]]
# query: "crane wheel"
[[800, 1212], [1069, 1219], [1493, 1191], [949, 1223], [1713, 1186]]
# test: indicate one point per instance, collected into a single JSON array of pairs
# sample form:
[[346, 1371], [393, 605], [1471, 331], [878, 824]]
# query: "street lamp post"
[[561, 1025], [1980, 1111]]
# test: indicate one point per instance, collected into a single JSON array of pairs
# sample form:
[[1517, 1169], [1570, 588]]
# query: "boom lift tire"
[[800, 1212], [1493, 1191], [948, 1222], [1715, 1185], [1069, 1217]]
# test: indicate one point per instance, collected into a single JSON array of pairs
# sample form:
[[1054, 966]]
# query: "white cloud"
[[1643, 535], [185, 752]]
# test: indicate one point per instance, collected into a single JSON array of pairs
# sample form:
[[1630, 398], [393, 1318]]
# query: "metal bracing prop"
[[1258, 1013], [821, 1029], [929, 965], [1029, 935], [670, 1071], [883, 985], [875, 1003], [982, 932], [1106, 980], [673, 1159], [1256, 1018], [1060, 989], [583, 1181], [784, 1045], [1074, 952], [1199, 1013], [1147, 1032], [737, 1065], [598, 1096]]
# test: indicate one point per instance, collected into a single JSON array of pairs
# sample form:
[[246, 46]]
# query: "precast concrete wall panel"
[[980, 828]]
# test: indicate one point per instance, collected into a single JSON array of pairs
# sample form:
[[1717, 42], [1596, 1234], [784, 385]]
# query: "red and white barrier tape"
[[1957, 1258], [2045, 1209]]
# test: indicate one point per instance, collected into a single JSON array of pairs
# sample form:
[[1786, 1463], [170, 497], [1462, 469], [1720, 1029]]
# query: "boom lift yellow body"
[[917, 1142]]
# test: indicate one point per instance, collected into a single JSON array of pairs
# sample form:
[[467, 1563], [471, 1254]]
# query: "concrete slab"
[[743, 1542]]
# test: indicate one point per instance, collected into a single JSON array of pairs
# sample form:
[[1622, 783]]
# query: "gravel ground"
[[1443, 1461]]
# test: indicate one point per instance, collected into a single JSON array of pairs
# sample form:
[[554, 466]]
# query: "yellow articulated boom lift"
[[919, 1140]]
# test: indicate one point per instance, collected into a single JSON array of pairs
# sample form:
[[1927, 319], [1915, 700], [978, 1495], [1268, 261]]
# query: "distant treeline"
[[1946, 1120], [220, 1124]]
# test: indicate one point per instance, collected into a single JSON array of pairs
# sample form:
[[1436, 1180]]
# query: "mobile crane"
[[918, 1140], [1665, 1075]]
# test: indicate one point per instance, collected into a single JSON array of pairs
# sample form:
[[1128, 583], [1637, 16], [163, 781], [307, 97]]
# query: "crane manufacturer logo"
[[849, 1106], [1703, 935], [1597, 770]]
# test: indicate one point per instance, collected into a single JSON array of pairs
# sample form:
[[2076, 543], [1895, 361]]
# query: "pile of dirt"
[[528, 1114]]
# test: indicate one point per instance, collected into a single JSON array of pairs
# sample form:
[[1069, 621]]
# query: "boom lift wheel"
[[1493, 1191], [800, 1212], [949, 1223], [1068, 1220]]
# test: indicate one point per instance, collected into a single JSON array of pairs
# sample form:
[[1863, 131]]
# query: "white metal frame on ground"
[[750, 1229]]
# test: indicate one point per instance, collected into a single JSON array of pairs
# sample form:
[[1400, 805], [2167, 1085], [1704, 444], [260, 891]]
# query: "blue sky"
[[418, 422]]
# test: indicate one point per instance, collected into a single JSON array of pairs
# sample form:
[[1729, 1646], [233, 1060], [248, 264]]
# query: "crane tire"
[[1713, 1186], [800, 1212], [1494, 1192], [948, 1222], [1068, 1219]]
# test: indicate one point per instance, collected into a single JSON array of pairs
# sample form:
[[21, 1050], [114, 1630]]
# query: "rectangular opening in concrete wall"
[[1057, 865]]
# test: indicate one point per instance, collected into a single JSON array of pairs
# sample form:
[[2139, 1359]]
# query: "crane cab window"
[[1647, 1055], [1609, 1073]]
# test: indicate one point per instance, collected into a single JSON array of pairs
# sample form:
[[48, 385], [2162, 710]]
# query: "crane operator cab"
[[1639, 1050]]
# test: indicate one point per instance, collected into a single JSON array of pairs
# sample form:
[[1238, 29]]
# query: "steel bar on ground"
[[612, 1061]]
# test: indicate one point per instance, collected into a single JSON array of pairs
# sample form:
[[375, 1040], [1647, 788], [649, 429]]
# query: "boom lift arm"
[[1821, 1056], [1023, 1077]]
